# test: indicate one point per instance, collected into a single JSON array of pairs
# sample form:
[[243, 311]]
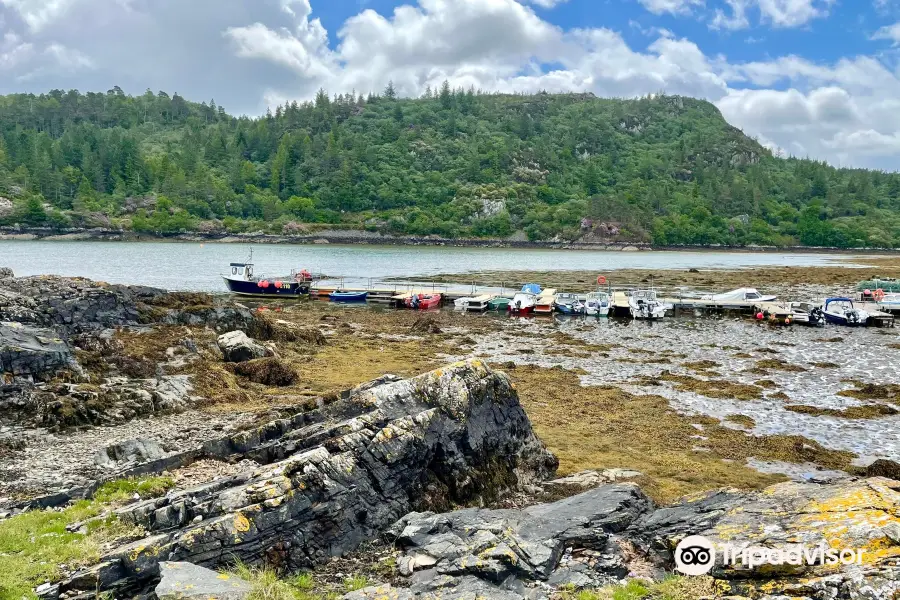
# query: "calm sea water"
[[197, 267]]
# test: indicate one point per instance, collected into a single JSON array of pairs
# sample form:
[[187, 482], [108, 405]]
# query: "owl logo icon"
[[695, 555]]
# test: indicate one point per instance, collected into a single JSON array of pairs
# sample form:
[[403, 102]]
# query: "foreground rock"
[[186, 581], [337, 476], [237, 347], [511, 553], [30, 353], [613, 531]]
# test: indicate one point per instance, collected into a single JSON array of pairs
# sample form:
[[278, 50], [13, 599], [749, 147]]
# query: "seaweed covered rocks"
[[337, 476]]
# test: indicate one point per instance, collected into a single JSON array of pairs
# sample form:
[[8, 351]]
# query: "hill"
[[453, 163]]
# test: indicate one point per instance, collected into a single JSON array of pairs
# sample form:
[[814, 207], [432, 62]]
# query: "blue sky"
[[815, 78]]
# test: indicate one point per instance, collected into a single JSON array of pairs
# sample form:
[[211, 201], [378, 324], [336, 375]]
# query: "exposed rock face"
[[339, 475], [135, 451], [32, 353], [500, 553], [237, 347], [847, 515], [186, 581], [6, 273]]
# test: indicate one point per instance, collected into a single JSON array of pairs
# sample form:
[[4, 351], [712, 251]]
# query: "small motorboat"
[[888, 302], [424, 301], [841, 311], [807, 313], [568, 304], [545, 302], [499, 303], [643, 304], [478, 303], [342, 296], [523, 302], [739, 295], [244, 282], [597, 304]]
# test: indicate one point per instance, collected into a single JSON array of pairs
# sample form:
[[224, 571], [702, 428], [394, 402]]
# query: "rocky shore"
[[365, 237], [281, 440]]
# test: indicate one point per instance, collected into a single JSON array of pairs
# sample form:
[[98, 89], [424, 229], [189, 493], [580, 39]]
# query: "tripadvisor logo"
[[696, 555]]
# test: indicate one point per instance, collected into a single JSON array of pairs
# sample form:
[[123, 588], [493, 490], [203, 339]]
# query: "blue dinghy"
[[339, 296]]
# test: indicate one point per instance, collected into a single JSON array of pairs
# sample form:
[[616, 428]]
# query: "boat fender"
[[259, 284], [879, 295]]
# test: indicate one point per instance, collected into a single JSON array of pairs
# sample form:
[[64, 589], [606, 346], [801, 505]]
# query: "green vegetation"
[[453, 163], [34, 544], [123, 490], [672, 588], [266, 585]]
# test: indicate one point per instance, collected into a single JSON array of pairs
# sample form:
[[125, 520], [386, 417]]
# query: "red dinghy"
[[423, 301]]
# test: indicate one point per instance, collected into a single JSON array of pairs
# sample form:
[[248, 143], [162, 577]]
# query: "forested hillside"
[[453, 163]]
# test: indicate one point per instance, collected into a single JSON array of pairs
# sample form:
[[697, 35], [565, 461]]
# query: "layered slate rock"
[[853, 514], [346, 472], [186, 581], [32, 353], [477, 553]]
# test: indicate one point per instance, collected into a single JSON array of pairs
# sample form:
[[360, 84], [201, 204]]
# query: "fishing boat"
[[499, 303], [523, 302], [597, 304], [568, 304], [807, 313], [461, 303], [643, 304], [243, 281], [739, 295], [424, 301], [841, 311], [478, 303], [342, 296], [545, 302]]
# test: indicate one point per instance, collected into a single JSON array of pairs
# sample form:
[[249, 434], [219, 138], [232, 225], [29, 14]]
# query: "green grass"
[[672, 588], [266, 585], [123, 490], [34, 544]]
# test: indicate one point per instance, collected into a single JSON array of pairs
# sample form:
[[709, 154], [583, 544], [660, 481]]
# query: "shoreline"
[[354, 237]]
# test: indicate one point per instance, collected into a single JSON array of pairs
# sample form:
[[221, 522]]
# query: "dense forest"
[[453, 163]]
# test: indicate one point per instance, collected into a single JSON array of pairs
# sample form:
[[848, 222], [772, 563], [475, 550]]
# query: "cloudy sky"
[[818, 78]]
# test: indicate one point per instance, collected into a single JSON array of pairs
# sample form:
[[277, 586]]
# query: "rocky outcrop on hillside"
[[337, 476]]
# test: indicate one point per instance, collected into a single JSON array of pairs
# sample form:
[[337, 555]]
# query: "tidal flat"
[[693, 403]]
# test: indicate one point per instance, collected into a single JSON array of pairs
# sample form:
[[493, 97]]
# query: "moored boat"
[[424, 301], [568, 304], [597, 304], [523, 302], [643, 304], [545, 302], [841, 311], [342, 296], [499, 303], [244, 282], [807, 313]]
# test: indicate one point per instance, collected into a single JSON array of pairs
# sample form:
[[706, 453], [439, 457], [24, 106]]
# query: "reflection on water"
[[736, 345], [196, 266]]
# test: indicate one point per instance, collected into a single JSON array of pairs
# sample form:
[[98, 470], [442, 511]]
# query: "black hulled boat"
[[244, 282]]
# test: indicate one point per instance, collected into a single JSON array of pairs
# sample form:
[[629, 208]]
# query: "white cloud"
[[777, 13], [736, 20], [888, 32], [675, 7], [546, 3], [39, 13]]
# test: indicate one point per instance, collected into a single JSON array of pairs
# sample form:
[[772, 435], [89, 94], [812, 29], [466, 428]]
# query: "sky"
[[808, 78]]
